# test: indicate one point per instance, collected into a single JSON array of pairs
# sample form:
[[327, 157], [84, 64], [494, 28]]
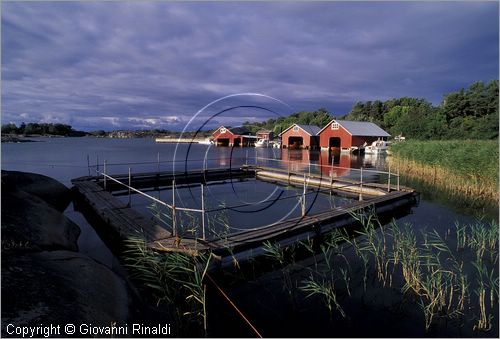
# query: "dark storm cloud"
[[155, 64]]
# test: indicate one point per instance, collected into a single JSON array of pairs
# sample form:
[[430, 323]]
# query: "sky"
[[154, 64]]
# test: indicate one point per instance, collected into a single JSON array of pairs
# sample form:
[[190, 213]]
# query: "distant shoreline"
[[181, 140]]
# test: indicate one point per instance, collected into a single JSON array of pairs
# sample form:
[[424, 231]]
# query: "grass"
[[429, 269], [173, 279], [464, 166]]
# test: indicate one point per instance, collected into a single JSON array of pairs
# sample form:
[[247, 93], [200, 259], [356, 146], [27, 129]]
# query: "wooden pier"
[[116, 221]]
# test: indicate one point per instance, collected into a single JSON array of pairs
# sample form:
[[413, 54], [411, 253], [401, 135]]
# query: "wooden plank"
[[127, 222]]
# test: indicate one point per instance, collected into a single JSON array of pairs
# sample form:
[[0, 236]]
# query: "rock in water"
[[29, 223], [59, 288], [46, 188]]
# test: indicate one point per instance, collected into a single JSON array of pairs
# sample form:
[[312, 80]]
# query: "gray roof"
[[311, 129], [363, 128]]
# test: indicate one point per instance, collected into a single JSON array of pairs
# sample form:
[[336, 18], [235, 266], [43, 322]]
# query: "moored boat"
[[376, 147]]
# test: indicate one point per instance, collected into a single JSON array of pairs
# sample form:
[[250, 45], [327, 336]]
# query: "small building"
[[233, 137], [300, 136], [347, 136], [265, 134]]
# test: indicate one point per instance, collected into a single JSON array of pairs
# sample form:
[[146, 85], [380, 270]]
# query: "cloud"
[[135, 64]]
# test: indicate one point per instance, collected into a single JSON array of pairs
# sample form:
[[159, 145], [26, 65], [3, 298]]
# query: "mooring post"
[[104, 174], [174, 226], [88, 163], [202, 212], [246, 158], [389, 179], [288, 167], [97, 164], [303, 205], [398, 177], [158, 166], [361, 185], [129, 188]]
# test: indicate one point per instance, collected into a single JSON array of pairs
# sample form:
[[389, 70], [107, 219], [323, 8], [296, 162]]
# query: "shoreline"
[[445, 179]]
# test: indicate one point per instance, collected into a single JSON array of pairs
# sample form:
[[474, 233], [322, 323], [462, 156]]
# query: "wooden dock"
[[117, 221]]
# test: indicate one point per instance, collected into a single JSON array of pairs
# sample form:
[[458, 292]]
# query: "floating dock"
[[116, 221]]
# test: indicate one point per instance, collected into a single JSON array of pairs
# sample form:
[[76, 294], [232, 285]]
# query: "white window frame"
[[223, 130], [295, 128], [335, 126]]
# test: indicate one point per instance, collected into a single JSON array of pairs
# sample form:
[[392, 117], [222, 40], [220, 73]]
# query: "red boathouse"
[[300, 136], [344, 135], [233, 137]]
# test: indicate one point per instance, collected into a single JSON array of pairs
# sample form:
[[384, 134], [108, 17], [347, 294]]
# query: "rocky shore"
[[45, 280]]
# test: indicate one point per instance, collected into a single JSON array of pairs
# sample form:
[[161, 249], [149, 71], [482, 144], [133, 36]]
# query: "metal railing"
[[203, 211]]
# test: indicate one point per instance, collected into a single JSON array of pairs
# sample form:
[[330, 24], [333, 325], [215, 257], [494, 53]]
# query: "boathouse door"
[[295, 142], [334, 143]]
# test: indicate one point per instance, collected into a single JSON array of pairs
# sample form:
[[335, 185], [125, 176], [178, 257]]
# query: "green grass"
[[466, 166], [469, 158]]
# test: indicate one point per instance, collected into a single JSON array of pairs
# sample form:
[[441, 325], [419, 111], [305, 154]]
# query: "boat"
[[262, 143], [206, 141], [377, 147], [276, 144]]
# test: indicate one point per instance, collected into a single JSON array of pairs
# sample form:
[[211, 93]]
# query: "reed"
[[484, 320], [278, 253], [373, 241], [325, 289], [462, 167], [173, 279], [461, 231]]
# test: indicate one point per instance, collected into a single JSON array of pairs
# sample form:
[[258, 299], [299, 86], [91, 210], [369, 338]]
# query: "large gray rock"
[[59, 288], [50, 190], [29, 223]]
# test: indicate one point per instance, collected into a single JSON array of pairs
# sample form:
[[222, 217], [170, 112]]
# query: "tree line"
[[319, 118], [470, 113], [40, 129]]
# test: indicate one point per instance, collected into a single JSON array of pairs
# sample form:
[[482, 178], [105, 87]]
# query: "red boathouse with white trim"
[[345, 135]]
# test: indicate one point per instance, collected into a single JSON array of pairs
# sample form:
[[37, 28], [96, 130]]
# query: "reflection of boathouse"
[[233, 137], [346, 136], [300, 136]]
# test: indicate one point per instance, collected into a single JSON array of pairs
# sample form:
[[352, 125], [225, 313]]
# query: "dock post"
[[303, 200], [129, 188], [246, 158], [158, 166], [288, 167], [398, 178], [88, 164], [389, 180], [202, 212], [361, 185], [174, 226], [97, 164], [104, 174]]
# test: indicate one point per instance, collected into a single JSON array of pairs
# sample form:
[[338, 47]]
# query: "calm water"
[[67, 158]]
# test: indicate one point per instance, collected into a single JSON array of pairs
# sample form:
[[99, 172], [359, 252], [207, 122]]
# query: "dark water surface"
[[67, 158]]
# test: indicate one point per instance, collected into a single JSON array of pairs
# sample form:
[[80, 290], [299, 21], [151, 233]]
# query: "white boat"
[[262, 143], [206, 141], [379, 146], [276, 144]]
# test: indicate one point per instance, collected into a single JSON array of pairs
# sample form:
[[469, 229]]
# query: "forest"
[[470, 113], [41, 129]]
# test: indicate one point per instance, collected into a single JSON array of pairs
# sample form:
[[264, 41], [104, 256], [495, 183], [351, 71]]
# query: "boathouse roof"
[[235, 130], [360, 128], [312, 130]]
